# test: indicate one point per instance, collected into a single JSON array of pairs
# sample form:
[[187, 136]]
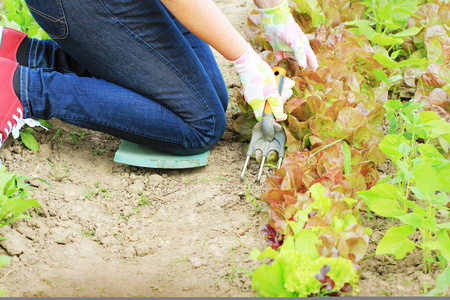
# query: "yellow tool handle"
[[279, 73]]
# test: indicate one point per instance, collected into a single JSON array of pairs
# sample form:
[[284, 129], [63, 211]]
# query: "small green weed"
[[178, 260], [99, 151], [89, 233], [251, 198], [80, 133], [235, 272], [59, 172], [96, 190], [204, 243], [72, 135]]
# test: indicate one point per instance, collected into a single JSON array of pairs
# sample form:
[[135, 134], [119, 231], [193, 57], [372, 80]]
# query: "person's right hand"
[[259, 85], [284, 35]]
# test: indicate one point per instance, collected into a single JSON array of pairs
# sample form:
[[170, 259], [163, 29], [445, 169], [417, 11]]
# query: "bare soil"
[[107, 229]]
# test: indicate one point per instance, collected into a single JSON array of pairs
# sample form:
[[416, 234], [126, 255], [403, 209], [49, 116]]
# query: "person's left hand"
[[284, 35], [259, 85]]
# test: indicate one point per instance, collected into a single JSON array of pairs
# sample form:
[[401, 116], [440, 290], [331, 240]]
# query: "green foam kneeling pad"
[[143, 156]]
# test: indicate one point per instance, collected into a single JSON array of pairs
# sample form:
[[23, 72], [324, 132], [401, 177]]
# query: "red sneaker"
[[10, 40], [11, 109]]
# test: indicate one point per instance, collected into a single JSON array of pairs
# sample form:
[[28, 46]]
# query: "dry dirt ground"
[[107, 229]]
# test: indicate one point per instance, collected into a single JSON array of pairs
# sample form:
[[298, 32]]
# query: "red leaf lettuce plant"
[[368, 52]]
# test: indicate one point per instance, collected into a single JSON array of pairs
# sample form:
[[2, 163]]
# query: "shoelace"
[[15, 129]]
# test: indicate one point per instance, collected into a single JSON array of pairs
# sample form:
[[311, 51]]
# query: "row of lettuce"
[[382, 91]]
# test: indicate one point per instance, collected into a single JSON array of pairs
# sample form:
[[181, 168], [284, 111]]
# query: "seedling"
[[89, 233], [72, 135], [92, 192], [57, 134], [28, 139], [144, 200], [99, 151], [185, 259], [442, 284], [239, 241], [79, 132], [425, 288], [251, 198], [204, 243], [406, 282], [14, 200], [125, 218], [235, 271]]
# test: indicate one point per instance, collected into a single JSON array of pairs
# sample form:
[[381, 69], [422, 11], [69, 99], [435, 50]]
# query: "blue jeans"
[[127, 68]]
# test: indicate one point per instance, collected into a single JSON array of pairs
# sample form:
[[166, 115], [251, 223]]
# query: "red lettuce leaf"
[[273, 236]]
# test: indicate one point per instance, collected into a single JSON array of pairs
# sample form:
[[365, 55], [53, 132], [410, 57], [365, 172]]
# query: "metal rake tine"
[[263, 160], [280, 159], [245, 167]]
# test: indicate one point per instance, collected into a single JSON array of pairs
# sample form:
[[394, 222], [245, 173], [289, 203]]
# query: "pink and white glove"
[[259, 85], [284, 35]]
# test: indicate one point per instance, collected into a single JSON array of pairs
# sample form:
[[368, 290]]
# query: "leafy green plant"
[[361, 66], [431, 84], [299, 271], [427, 178], [15, 14], [386, 20], [429, 42], [388, 201], [14, 199], [27, 137], [442, 284], [407, 126], [331, 106], [334, 219], [421, 170]]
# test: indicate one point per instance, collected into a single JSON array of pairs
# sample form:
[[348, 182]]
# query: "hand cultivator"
[[268, 135]]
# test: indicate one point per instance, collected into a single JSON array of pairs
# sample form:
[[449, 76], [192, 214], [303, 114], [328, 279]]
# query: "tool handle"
[[279, 73]]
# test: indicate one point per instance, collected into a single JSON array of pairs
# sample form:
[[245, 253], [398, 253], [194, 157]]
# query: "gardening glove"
[[259, 85], [284, 35]]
